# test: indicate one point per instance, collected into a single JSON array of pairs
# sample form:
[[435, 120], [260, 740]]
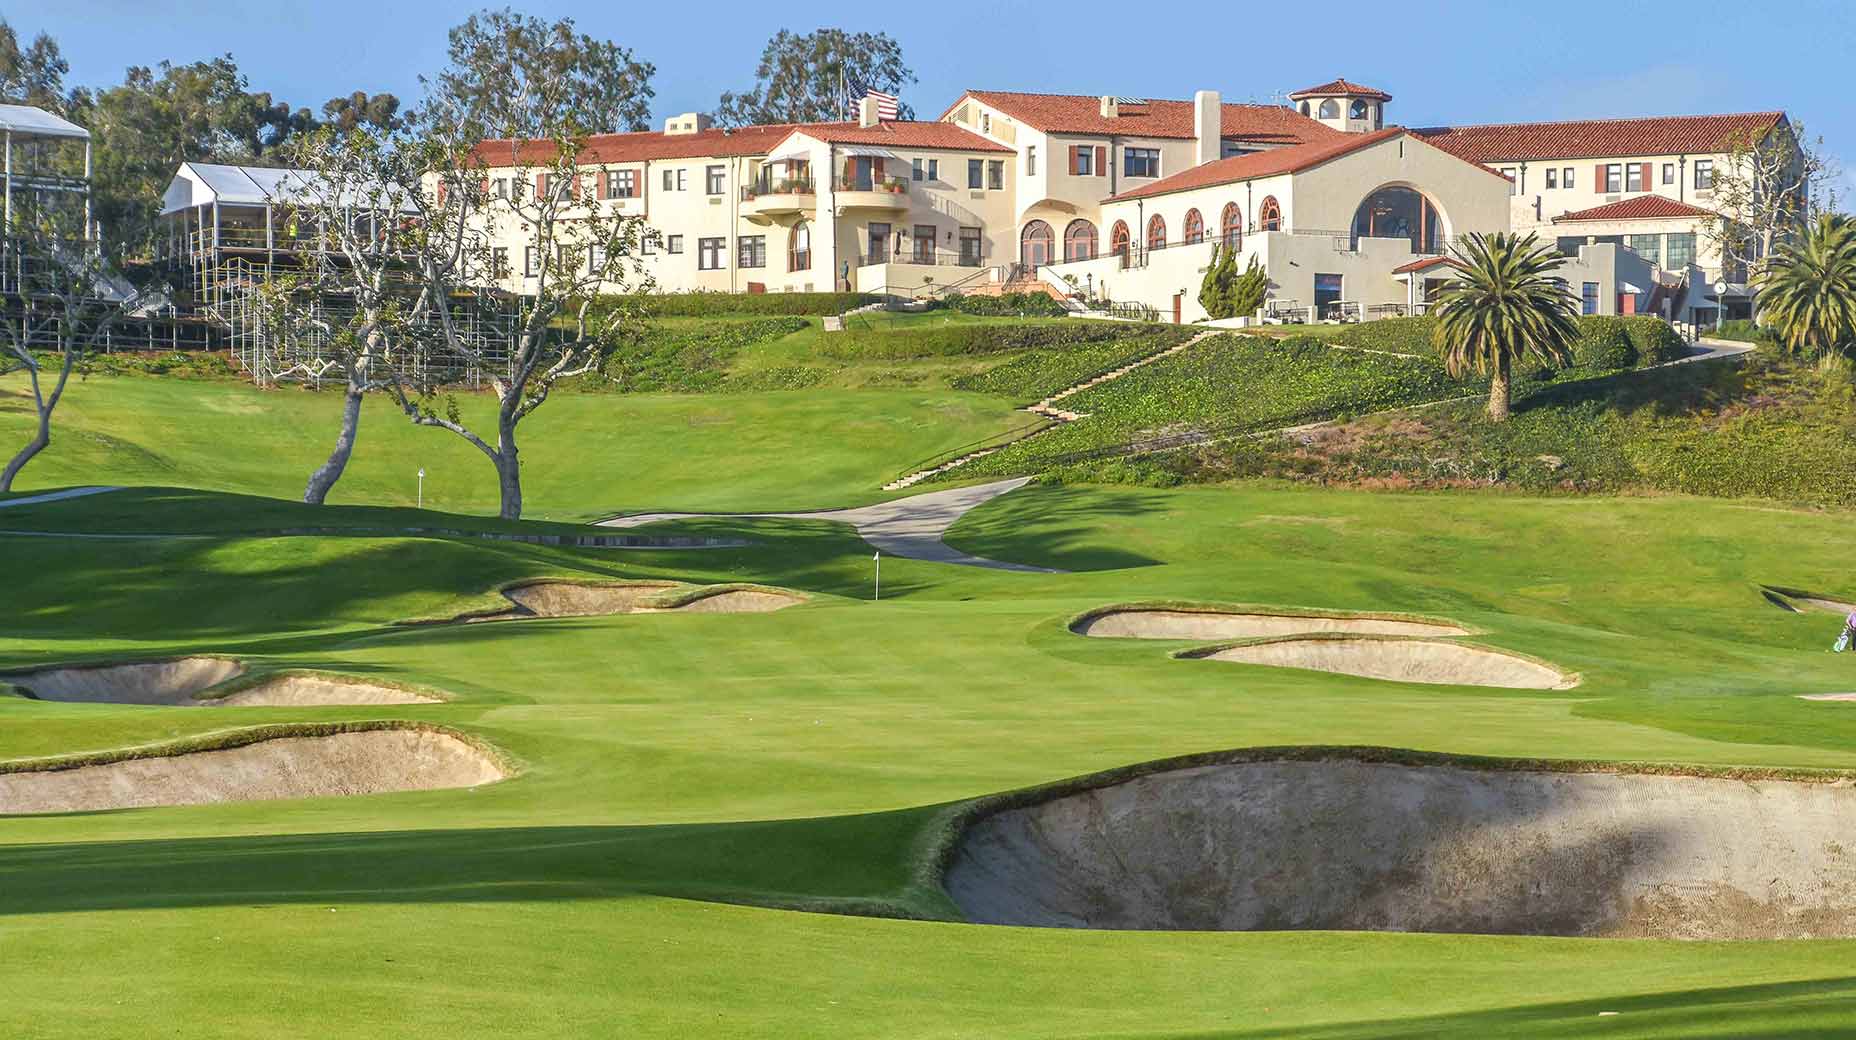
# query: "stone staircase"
[[1048, 409]]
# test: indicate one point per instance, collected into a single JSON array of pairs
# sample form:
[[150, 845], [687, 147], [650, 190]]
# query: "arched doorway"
[[1396, 211], [1269, 215], [1156, 232], [1035, 245], [1231, 226], [1194, 229], [799, 248], [1079, 240]]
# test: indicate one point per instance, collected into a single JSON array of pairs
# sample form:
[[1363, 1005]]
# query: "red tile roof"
[[1082, 114], [1335, 88], [1598, 138], [1425, 262], [743, 141], [1272, 163], [903, 135], [1641, 207]]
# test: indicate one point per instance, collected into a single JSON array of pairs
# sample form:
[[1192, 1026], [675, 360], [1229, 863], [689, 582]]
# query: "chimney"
[[866, 112], [687, 123], [1207, 127], [1109, 109]]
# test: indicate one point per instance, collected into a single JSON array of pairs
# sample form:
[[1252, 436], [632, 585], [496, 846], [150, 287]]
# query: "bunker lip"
[[1200, 621], [1394, 659], [1388, 839], [1788, 598], [257, 764], [204, 682], [565, 597], [577, 597], [737, 598]]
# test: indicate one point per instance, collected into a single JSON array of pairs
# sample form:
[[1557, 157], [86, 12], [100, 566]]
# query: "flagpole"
[[879, 575]]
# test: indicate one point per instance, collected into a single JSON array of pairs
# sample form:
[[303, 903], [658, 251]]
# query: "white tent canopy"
[[36, 122], [205, 184]]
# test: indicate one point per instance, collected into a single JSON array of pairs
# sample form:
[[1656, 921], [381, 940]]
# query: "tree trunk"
[[323, 480], [1498, 392], [37, 444], [508, 470]]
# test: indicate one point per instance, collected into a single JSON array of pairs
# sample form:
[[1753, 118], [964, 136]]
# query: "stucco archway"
[[1401, 210]]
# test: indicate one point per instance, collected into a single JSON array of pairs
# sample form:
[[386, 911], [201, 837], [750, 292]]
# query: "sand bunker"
[[179, 684], [1400, 660], [363, 762], [1164, 623], [152, 682], [738, 601], [1797, 600], [579, 599], [1372, 846]]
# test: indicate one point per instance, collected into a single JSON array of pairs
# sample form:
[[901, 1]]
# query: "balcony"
[[771, 199], [888, 194]]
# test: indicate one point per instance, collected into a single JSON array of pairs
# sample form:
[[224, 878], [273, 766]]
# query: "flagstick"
[[879, 575]]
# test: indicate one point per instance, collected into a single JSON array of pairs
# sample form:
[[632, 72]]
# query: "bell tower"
[[1347, 107]]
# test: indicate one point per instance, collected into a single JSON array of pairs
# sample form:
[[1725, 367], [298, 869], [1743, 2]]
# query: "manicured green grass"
[[585, 455], [796, 759]]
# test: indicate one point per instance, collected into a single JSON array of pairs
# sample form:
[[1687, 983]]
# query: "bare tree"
[[1771, 184], [415, 238], [59, 303]]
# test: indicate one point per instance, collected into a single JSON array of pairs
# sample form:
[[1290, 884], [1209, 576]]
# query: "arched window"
[[1118, 238], [1156, 232], [1079, 241], [1194, 230], [1034, 244], [1356, 110], [1269, 215], [1231, 226], [799, 248], [1330, 109], [1399, 212], [1306, 110]]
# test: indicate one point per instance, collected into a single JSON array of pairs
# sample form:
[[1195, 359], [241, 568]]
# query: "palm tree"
[[1504, 305], [1808, 291]]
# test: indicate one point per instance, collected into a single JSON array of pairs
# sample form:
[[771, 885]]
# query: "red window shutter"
[[1101, 161], [1646, 177], [1598, 179], [1073, 150], [541, 185], [441, 193]]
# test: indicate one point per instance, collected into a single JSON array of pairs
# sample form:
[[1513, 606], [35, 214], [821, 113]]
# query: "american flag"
[[856, 90]]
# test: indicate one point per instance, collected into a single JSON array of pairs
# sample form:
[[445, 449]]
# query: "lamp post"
[[421, 487]]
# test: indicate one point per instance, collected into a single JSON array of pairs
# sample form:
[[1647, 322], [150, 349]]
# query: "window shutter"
[[1646, 177], [541, 185], [1101, 160], [1598, 178], [1073, 151]]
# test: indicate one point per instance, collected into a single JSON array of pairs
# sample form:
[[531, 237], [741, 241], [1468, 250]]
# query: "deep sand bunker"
[[178, 683], [737, 601], [1173, 623], [1358, 845], [1400, 660], [580, 599], [348, 763]]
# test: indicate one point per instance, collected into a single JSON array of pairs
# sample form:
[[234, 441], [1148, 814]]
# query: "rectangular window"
[[528, 262], [625, 184], [1704, 174], [1085, 160], [1514, 187], [995, 174], [1588, 298], [1140, 162], [915, 169], [1553, 177], [970, 246], [1327, 292], [596, 259], [648, 242], [1614, 178], [879, 242], [1669, 173], [673, 244], [751, 251], [1681, 250], [1633, 177], [1566, 177], [1650, 247], [716, 181], [1569, 244], [934, 169], [500, 187], [710, 253], [976, 173], [676, 180], [499, 262], [1031, 160], [924, 243]]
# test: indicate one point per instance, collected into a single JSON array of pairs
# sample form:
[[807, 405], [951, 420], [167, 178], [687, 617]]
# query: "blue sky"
[[1443, 62]]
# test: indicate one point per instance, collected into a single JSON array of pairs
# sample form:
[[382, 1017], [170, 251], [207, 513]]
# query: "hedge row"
[[1608, 342], [1007, 305], [704, 304], [921, 341]]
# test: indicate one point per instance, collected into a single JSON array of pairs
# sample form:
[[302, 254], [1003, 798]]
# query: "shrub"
[[1653, 339], [1008, 305], [919, 341], [705, 304], [1603, 344], [1393, 335]]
